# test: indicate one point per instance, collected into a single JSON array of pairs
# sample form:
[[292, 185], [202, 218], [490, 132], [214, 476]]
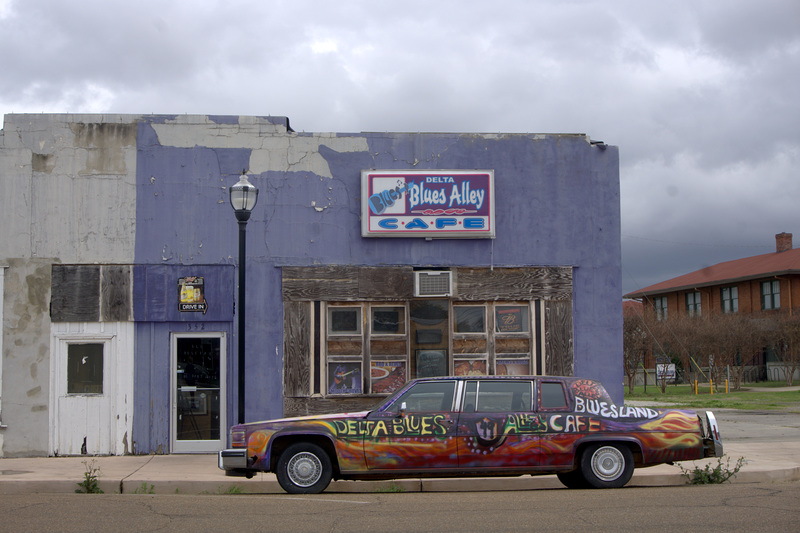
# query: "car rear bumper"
[[712, 442]]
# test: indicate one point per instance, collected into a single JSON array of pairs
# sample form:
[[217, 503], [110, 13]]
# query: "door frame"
[[118, 370], [197, 446]]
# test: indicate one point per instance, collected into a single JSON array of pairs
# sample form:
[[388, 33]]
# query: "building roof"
[[759, 266]]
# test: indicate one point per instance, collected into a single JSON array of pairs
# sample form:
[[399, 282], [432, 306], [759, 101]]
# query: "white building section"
[[91, 388]]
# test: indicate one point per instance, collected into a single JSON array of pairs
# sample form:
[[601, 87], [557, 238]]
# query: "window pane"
[[388, 320], [344, 378], [511, 319], [552, 396], [431, 363], [85, 369], [470, 319], [427, 397], [512, 367], [387, 376], [344, 320], [469, 396], [469, 367], [770, 295], [494, 396]]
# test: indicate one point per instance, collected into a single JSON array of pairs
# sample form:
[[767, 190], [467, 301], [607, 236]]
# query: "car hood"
[[356, 414]]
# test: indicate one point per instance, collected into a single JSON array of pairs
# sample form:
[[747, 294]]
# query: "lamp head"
[[244, 196]]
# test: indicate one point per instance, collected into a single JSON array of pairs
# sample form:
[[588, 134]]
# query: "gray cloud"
[[699, 96]]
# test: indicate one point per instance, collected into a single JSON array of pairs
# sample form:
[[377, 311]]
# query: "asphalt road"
[[710, 508]]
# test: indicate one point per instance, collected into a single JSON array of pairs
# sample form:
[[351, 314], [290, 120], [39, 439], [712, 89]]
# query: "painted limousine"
[[475, 426]]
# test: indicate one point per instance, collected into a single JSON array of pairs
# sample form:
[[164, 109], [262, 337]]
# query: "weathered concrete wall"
[[26, 357], [72, 187], [68, 196]]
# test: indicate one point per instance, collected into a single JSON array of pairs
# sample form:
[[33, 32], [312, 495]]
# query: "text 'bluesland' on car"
[[475, 426]]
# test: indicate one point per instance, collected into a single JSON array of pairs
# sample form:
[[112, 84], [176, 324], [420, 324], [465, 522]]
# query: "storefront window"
[[421, 338]]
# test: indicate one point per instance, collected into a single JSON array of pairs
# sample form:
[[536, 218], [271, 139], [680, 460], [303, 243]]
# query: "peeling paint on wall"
[[105, 146]]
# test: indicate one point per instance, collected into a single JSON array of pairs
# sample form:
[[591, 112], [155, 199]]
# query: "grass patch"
[[750, 400], [144, 489], [391, 487]]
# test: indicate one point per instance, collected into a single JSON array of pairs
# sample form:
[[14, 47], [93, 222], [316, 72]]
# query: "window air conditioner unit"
[[433, 283]]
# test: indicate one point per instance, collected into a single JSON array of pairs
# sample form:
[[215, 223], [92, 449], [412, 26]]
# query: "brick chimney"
[[783, 242]]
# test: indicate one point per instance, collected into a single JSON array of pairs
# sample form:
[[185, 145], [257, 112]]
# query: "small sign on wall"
[[191, 295], [427, 203]]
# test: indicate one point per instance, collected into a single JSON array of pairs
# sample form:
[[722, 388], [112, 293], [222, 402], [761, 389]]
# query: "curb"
[[489, 484]]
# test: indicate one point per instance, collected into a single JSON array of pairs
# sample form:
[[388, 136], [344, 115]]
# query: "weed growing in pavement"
[[233, 489], [144, 490], [89, 484], [392, 487], [708, 475]]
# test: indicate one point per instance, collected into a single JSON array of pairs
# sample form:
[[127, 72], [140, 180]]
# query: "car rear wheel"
[[304, 468], [607, 466]]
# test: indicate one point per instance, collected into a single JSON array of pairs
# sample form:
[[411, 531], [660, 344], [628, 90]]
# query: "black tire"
[[304, 468], [572, 480], [607, 466]]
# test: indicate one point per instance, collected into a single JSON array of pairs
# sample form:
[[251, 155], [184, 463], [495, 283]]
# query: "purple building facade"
[[523, 276]]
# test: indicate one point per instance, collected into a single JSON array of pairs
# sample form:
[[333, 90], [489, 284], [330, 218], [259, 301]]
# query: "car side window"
[[552, 396], [504, 396], [426, 397], [470, 395]]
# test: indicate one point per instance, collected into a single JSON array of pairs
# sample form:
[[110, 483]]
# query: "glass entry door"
[[198, 410]]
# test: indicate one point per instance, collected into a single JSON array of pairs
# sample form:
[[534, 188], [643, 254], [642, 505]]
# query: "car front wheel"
[[304, 468], [607, 466]]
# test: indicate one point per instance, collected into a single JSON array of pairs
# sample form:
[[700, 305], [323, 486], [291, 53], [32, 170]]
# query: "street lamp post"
[[243, 199]]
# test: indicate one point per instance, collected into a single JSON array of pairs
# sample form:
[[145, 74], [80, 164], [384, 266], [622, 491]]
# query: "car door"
[[416, 431], [497, 428], [564, 428]]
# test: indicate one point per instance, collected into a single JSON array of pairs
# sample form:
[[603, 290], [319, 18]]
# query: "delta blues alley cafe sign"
[[427, 203]]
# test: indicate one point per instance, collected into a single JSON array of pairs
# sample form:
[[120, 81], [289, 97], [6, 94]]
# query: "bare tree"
[[636, 341], [727, 338], [680, 340], [787, 346]]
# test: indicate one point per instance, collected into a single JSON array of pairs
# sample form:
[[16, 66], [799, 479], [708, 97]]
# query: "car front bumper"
[[232, 459]]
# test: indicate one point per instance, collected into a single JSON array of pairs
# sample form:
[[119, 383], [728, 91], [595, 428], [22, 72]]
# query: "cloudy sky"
[[700, 96]]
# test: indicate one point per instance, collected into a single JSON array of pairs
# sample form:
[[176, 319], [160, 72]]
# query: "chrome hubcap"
[[608, 463], [304, 469]]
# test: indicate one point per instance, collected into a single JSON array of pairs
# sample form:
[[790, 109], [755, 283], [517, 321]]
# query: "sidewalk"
[[770, 446]]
